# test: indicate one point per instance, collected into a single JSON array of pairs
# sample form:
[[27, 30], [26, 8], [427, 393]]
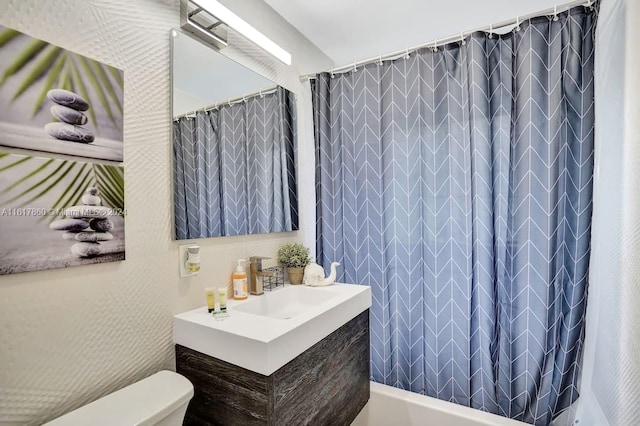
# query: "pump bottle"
[[239, 279]]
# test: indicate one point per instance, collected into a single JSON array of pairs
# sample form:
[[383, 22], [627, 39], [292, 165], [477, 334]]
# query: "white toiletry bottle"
[[239, 277]]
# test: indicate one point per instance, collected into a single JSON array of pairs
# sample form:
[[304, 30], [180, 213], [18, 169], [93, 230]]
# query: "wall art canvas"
[[54, 100], [56, 213]]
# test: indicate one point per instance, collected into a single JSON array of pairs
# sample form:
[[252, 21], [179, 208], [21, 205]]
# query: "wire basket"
[[272, 281]]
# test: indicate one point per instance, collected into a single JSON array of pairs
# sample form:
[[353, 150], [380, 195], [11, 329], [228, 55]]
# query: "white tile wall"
[[70, 336]]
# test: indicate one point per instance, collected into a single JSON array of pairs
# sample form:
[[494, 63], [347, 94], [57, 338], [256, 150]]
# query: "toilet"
[[159, 400]]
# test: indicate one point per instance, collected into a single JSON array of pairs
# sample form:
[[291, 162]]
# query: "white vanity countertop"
[[264, 344]]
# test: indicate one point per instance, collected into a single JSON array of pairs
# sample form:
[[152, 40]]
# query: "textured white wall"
[[72, 335]]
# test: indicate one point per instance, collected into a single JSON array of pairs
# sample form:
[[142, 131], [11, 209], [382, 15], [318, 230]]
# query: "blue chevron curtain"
[[457, 183], [234, 169]]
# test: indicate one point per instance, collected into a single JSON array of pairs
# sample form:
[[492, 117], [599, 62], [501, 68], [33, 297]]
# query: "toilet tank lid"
[[143, 403]]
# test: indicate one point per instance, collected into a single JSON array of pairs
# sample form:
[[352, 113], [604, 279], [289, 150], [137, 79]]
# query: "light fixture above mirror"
[[208, 20], [202, 24]]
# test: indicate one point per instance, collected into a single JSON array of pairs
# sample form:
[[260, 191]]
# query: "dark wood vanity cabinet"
[[328, 384]]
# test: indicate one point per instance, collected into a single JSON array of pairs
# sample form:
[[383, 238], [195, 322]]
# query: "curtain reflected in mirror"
[[234, 141], [235, 169]]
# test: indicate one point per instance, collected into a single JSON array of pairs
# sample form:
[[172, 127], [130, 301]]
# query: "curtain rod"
[[491, 29], [230, 101]]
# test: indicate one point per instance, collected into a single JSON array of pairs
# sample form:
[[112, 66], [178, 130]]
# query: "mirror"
[[234, 139]]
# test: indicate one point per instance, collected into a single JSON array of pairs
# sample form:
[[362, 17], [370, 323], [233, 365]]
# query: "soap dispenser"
[[239, 278]]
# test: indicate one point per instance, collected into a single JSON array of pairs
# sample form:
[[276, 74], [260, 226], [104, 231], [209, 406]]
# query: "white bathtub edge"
[[412, 409]]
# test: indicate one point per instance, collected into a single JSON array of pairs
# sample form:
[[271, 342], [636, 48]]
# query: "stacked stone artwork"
[[88, 225], [69, 110]]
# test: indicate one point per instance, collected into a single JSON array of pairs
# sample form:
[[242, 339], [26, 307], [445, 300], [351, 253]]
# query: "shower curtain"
[[234, 169], [457, 183], [610, 383]]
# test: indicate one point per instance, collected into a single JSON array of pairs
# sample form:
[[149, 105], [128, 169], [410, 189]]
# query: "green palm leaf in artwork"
[[47, 66], [42, 66], [50, 82], [90, 72], [110, 181], [45, 177], [31, 51], [7, 35]]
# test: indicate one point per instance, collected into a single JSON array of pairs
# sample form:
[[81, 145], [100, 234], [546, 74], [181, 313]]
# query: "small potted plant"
[[294, 257]]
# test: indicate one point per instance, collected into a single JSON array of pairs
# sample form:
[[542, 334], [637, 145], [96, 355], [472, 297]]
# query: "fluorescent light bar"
[[240, 25]]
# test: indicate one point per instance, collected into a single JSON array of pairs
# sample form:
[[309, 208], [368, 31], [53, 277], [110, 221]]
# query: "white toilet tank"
[[159, 400]]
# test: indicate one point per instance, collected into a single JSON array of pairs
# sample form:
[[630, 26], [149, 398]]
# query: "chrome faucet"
[[255, 269]]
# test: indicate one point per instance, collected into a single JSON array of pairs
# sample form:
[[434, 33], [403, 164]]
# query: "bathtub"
[[390, 406]]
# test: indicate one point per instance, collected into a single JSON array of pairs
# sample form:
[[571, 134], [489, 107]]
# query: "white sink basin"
[[263, 333], [286, 303]]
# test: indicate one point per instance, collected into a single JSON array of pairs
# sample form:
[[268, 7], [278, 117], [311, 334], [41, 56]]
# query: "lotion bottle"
[[222, 300], [239, 278], [211, 299]]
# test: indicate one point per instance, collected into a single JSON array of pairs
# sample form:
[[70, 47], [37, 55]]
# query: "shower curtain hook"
[[244, 100], [462, 37], [490, 30], [406, 53], [380, 60], [355, 66], [517, 23], [261, 95], [229, 101], [435, 45], [590, 4], [555, 12], [331, 72]]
